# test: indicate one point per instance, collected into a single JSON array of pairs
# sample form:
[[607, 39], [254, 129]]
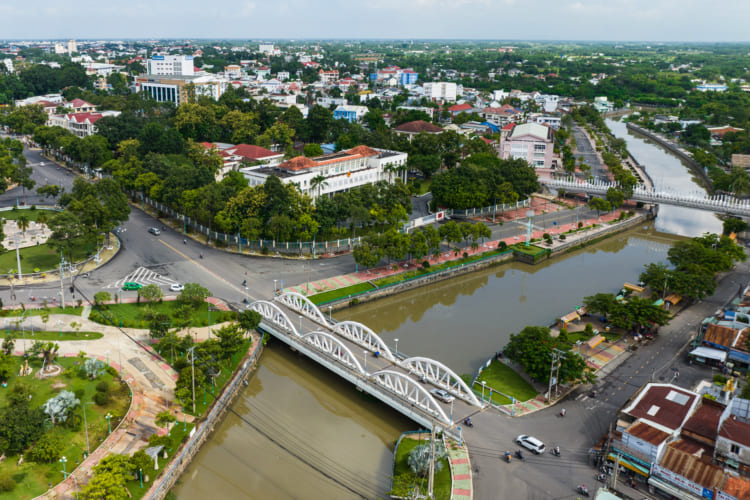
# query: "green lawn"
[[33, 479], [134, 315], [42, 257], [501, 377], [331, 295], [29, 213], [50, 335], [529, 250], [14, 313], [403, 474]]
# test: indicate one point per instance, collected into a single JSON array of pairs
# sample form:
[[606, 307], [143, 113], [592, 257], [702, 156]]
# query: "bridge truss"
[[412, 391], [442, 376]]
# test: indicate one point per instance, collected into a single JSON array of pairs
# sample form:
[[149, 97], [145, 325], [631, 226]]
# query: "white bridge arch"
[[412, 391], [272, 313], [302, 305], [335, 348], [442, 376], [360, 334]]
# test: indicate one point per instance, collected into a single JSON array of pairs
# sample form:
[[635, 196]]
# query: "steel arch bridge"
[[442, 376], [332, 346], [361, 335], [302, 305], [412, 391], [272, 313]]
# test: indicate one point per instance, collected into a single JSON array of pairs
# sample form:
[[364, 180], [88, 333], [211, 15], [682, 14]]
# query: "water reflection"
[[296, 420], [462, 321], [669, 172]]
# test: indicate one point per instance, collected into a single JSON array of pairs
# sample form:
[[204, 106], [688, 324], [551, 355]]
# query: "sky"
[[611, 20]]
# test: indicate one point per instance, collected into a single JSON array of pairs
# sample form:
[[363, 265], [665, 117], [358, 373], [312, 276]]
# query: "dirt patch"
[[59, 385]]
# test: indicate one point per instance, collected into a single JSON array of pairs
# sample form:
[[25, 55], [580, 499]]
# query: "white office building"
[[166, 65], [440, 91]]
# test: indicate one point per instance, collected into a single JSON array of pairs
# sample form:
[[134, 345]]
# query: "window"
[[735, 449], [540, 147]]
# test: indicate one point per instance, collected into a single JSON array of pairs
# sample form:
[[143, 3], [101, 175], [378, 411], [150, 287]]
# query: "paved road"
[[586, 153]]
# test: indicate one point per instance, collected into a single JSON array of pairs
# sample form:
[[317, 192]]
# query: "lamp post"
[[396, 341], [300, 324], [451, 412], [75, 481], [330, 314], [63, 461], [365, 354], [484, 384], [106, 353], [108, 416], [274, 287], [140, 474], [86, 427]]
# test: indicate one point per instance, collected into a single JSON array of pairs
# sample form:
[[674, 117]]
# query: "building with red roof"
[[334, 172], [410, 129], [80, 124], [460, 108]]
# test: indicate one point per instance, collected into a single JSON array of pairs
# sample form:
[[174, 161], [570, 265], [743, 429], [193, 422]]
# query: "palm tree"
[[318, 182], [23, 223], [389, 168]]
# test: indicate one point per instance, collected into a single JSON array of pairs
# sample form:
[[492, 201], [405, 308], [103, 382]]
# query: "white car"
[[442, 395], [176, 287], [531, 443]]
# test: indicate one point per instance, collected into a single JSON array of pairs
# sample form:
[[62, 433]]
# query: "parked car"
[[129, 285], [442, 395], [154, 230], [531, 443], [176, 287]]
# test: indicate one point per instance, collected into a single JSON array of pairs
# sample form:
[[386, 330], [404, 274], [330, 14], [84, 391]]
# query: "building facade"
[[179, 90], [440, 91], [531, 142], [168, 65]]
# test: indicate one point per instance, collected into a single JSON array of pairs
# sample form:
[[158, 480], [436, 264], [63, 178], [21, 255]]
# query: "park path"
[[461, 479]]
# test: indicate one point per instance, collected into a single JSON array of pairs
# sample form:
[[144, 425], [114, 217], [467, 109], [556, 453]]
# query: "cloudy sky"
[[652, 20]]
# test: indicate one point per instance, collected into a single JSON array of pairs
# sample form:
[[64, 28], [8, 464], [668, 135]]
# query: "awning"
[[672, 490], [708, 353], [638, 469], [570, 317], [634, 288], [673, 298], [659, 302]]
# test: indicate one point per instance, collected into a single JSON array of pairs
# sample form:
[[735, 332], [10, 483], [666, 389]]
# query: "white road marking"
[[143, 276]]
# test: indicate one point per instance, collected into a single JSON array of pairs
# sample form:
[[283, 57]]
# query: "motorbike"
[[556, 451], [468, 422], [519, 454], [583, 490], [507, 456], [602, 478]]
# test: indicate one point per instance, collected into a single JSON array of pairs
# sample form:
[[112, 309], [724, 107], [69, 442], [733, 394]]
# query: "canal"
[[299, 432]]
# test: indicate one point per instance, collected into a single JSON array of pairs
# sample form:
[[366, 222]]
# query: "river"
[[299, 432]]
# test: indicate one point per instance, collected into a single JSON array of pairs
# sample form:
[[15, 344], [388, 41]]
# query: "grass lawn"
[[403, 475], [50, 335], [33, 479], [501, 377], [424, 186], [134, 315], [31, 214], [331, 295], [529, 250], [14, 313], [42, 257]]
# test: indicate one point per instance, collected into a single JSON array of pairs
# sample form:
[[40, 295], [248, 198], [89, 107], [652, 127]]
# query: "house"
[[552, 121], [179, 89], [408, 77], [334, 172], [502, 116], [410, 129], [529, 141], [460, 108], [233, 71], [350, 113], [602, 105], [283, 76], [718, 132], [441, 91], [711, 87], [80, 106], [328, 76], [685, 471], [327, 102], [733, 441], [263, 72], [80, 124]]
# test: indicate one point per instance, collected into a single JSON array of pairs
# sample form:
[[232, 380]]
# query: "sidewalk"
[[461, 479]]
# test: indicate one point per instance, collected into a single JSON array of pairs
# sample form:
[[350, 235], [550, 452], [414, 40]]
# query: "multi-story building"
[[328, 76], [340, 171], [327, 102], [408, 77], [8, 63], [529, 141], [80, 124], [350, 113], [171, 65], [440, 91], [180, 89], [410, 129], [233, 71], [502, 116]]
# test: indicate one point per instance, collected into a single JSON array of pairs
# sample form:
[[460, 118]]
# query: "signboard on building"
[[681, 482]]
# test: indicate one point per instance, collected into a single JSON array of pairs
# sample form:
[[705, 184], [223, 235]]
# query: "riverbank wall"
[[202, 432], [677, 151], [574, 241]]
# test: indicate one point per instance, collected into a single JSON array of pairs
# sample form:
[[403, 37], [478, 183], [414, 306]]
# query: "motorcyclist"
[[467, 421], [244, 282], [556, 450], [562, 412], [184, 241]]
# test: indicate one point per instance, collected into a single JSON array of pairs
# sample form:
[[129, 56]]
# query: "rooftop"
[[418, 126], [532, 129], [692, 467], [705, 421], [720, 335], [735, 430], [647, 433], [663, 404]]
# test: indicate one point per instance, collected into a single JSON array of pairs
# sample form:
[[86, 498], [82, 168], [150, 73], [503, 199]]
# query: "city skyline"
[[615, 20]]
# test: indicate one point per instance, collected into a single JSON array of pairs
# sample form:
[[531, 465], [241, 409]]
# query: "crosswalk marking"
[[142, 276]]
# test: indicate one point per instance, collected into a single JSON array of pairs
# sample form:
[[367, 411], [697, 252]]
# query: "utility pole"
[[431, 478], [554, 365], [616, 471], [192, 367]]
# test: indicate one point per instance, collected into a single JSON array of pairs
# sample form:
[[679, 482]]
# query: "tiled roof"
[[82, 117], [362, 151], [705, 421], [735, 430], [460, 107], [78, 103], [297, 163], [418, 126], [508, 126], [738, 487], [251, 152]]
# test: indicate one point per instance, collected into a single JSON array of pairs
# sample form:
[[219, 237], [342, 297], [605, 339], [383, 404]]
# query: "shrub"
[[101, 398], [7, 483], [720, 379], [79, 393], [588, 329], [547, 236], [102, 386], [466, 254], [562, 237], [48, 449], [580, 224], [264, 251], [426, 264], [502, 245]]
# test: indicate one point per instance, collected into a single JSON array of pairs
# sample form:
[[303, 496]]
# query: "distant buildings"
[[410, 129], [602, 105], [440, 91], [350, 113], [179, 89], [167, 65], [79, 124], [711, 87]]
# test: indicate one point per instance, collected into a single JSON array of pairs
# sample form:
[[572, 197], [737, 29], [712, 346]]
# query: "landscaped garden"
[[41, 419], [173, 312], [412, 465], [37, 258], [502, 378]]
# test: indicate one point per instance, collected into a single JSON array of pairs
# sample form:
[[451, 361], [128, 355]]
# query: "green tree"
[[101, 297], [151, 292], [311, 150], [231, 339], [600, 205], [110, 476], [49, 448], [733, 225], [20, 426], [193, 295], [600, 303], [249, 320], [164, 418]]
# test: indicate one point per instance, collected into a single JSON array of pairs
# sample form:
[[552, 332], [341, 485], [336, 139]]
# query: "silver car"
[[531, 443], [442, 395]]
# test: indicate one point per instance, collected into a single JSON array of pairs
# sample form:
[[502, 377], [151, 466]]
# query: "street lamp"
[[451, 412], [396, 341], [330, 314], [484, 384], [106, 353], [63, 460], [108, 416], [300, 324], [86, 427], [274, 287], [365, 354]]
